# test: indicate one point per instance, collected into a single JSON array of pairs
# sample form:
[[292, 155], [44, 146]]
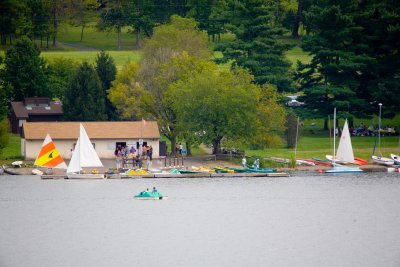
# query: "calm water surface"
[[348, 220]]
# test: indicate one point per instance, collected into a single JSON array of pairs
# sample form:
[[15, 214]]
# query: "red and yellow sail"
[[49, 156]]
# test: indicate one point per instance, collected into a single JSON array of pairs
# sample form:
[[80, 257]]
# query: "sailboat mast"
[[334, 136], [80, 145], [379, 130]]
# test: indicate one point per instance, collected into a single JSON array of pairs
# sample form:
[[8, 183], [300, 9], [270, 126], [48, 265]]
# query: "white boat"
[[345, 151], [84, 156], [382, 160], [48, 157], [337, 168], [344, 154], [395, 158]]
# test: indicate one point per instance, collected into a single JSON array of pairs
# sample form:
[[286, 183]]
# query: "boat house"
[[34, 109], [105, 136]]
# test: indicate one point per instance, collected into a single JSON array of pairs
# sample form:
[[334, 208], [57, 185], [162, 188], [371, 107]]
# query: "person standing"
[[244, 162], [151, 153], [118, 158]]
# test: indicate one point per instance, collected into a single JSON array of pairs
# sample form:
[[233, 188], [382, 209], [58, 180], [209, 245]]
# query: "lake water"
[[303, 220]]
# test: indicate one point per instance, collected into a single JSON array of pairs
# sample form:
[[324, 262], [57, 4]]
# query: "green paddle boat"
[[149, 195]]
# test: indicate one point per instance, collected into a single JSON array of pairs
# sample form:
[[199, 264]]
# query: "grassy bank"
[[319, 146], [12, 151]]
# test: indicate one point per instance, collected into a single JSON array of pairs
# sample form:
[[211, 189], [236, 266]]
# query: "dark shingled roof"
[[21, 111]]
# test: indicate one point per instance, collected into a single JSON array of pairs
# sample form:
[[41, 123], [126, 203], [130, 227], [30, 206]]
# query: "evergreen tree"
[[84, 96], [355, 56], [115, 15], [24, 71], [255, 45], [106, 69], [59, 71]]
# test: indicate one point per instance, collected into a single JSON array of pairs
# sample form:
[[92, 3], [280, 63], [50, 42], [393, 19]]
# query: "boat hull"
[[383, 161], [149, 196], [343, 169]]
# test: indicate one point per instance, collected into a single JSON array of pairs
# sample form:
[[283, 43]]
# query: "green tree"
[[225, 106], [354, 65], [9, 14], [84, 12], [59, 71], [255, 45], [84, 96], [106, 70], [142, 19], [40, 16], [59, 10], [127, 93], [24, 71], [115, 16], [4, 133], [173, 51]]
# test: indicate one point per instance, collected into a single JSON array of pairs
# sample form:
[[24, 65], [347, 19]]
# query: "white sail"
[[88, 156], [84, 154], [74, 165], [345, 149]]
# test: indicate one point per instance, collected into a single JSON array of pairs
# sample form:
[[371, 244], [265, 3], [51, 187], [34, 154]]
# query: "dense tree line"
[[356, 61], [353, 44]]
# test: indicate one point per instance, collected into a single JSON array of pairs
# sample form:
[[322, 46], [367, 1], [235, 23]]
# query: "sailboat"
[[345, 151], [380, 159], [83, 156], [49, 157], [344, 154]]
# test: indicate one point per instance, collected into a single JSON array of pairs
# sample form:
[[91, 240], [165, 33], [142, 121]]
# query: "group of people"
[[179, 149], [123, 155], [256, 164], [147, 191]]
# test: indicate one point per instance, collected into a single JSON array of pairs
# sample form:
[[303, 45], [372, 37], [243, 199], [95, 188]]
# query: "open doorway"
[[119, 145]]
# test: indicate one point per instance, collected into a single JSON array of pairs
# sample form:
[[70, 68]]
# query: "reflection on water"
[[304, 220]]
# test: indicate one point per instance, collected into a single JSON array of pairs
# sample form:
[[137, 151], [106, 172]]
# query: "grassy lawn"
[[96, 39], [120, 57], [12, 151], [297, 53]]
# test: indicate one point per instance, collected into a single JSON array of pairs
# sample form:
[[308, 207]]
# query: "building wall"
[[104, 148]]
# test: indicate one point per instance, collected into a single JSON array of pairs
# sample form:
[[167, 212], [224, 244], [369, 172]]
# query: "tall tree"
[[236, 111], [353, 63], [106, 70], [84, 97], [179, 37], [9, 14], [59, 9], [59, 71], [4, 122], [24, 71], [83, 12], [115, 16], [142, 19], [40, 16], [255, 45]]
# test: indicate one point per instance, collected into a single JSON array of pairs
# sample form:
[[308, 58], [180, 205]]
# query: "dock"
[[177, 175]]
